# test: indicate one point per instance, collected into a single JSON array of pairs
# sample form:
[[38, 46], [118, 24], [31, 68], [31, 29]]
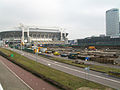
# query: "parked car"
[[48, 52], [56, 53], [64, 55], [73, 55], [78, 62]]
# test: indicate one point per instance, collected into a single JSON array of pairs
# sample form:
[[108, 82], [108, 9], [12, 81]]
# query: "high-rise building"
[[112, 22]]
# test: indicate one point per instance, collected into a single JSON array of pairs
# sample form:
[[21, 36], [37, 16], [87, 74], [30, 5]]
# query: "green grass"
[[65, 79], [92, 67]]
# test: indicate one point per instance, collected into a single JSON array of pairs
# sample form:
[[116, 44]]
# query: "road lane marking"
[[55, 62], [49, 64], [79, 71], [16, 75], [22, 54], [75, 69], [1, 88]]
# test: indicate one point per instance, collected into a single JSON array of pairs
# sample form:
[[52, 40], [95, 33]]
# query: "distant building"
[[119, 26], [99, 41], [112, 23], [72, 42], [40, 35], [102, 35], [1, 43]]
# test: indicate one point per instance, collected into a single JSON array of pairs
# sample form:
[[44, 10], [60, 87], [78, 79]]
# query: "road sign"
[[87, 68], [86, 72], [86, 58], [12, 55]]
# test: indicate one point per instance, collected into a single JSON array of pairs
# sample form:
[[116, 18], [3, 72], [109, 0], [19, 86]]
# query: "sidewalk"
[[8, 80]]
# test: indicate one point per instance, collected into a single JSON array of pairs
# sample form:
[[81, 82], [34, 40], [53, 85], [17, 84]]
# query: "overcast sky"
[[80, 18]]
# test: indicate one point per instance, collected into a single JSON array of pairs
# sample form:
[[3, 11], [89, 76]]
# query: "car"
[[73, 55], [56, 53], [64, 55], [78, 62], [48, 52]]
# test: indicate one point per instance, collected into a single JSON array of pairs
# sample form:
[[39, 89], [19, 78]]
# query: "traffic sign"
[[86, 58], [87, 68], [12, 55]]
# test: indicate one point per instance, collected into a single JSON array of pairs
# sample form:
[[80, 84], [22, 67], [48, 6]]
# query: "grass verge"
[[64, 79], [92, 67]]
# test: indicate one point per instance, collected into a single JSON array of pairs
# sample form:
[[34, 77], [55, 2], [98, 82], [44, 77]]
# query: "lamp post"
[[36, 48], [87, 72], [22, 37]]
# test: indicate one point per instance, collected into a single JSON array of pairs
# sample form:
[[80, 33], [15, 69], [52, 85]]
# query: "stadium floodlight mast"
[[22, 28], [22, 38]]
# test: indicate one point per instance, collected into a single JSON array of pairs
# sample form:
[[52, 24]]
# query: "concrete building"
[[41, 35], [112, 23], [99, 41]]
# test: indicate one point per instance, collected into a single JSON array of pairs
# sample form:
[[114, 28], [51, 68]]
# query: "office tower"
[[112, 22]]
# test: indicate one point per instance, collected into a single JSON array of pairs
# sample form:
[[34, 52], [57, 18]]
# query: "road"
[[88, 62], [76, 71], [8, 80], [12, 77]]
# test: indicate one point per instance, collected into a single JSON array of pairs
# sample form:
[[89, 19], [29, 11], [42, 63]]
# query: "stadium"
[[28, 34]]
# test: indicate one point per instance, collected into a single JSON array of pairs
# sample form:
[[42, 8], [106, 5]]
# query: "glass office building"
[[112, 23]]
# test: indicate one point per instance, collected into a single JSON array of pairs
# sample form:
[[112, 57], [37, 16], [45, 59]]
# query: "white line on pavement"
[[75, 69], [79, 71], [1, 88], [16, 76]]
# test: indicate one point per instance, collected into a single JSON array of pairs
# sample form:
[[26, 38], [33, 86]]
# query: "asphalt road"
[[88, 62], [28, 79], [79, 72], [9, 81]]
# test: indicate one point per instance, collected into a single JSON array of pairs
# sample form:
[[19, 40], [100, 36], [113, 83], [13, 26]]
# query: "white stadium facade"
[[28, 34]]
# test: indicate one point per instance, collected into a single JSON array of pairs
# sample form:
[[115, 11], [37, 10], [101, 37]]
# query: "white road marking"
[[49, 64], [78, 70], [55, 62], [22, 54], [16, 76], [1, 88]]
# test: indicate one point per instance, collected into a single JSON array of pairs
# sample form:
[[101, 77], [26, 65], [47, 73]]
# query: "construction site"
[[52, 43], [91, 53]]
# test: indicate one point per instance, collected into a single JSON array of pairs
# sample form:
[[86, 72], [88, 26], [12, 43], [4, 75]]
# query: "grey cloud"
[[81, 18]]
